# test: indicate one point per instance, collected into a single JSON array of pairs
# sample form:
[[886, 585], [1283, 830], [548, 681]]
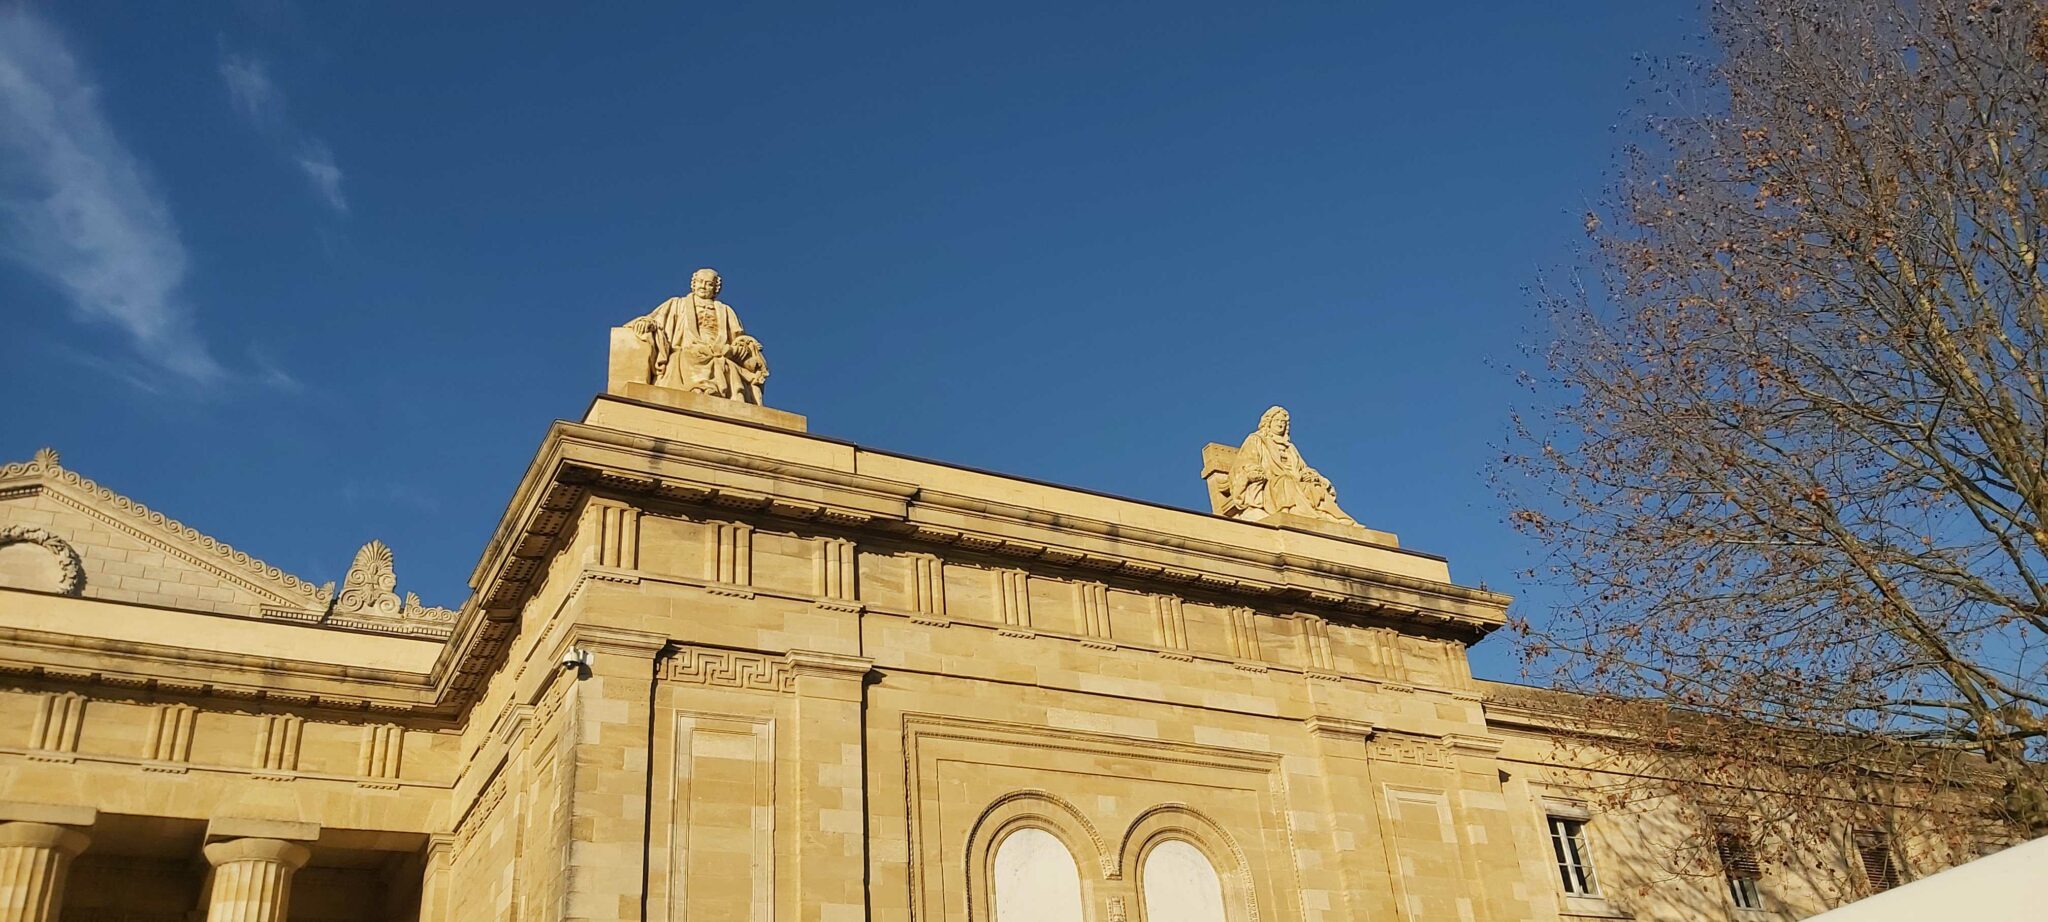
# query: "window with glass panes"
[[1574, 859]]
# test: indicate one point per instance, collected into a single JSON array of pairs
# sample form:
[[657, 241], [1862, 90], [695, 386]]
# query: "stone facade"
[[715, 667]]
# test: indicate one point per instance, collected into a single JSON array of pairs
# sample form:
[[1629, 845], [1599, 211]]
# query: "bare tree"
[[1792, 463]]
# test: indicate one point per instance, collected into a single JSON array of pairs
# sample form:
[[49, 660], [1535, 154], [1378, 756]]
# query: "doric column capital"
[[440, 847], [1473, 745], [290, 854], [43, 835], [623, 641], [1335, 728], [828, 665], [252, 879], [34, 858]]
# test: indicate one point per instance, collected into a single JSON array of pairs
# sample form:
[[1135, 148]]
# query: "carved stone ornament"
[[70, 569], [370, 591], [693, 343], [371, 584], [1268, 477]]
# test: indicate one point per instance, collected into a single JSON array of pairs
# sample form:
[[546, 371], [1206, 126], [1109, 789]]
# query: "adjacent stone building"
[[714, 667]]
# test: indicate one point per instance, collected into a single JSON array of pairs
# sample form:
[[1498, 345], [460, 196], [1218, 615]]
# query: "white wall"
[[1036, 879], [1180, 885]]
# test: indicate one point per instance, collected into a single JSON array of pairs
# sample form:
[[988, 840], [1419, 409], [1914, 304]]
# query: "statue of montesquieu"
[[1268, 477], [695, 343]]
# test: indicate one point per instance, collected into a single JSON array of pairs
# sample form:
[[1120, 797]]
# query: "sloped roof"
[[274, 587], [135, 554]]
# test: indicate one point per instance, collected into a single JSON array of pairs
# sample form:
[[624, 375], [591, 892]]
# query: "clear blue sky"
[[302, 275]]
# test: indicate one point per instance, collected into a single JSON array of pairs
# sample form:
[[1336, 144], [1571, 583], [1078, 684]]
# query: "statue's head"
[[1274, 421], [704, 283]]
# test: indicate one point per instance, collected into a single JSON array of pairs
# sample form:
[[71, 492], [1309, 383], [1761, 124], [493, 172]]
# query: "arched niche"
[[1177, 882], [1197, 836], [1046, 815], [1033, 878]]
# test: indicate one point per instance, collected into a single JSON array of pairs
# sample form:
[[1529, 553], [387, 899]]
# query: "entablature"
[[199, 655], [662, 461]]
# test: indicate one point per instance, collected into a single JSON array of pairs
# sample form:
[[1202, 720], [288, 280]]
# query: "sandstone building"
[[714, 667]]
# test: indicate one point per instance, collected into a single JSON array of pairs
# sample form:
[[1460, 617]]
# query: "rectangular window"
[[1738, 862], [1574, 860], [1875, 849]]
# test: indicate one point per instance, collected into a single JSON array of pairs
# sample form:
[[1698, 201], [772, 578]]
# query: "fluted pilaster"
[[33, 860], [252, 879]]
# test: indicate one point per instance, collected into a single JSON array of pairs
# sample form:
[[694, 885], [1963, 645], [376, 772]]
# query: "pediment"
[[62, 532]]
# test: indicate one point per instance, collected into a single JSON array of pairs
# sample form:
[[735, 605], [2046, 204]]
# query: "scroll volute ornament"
[[371, 586], [370, 591]]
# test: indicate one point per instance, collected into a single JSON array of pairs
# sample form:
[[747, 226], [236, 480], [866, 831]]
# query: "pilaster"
[[1483, 812], [609, 710], [1351, 800], [436, 903], [831, 858]]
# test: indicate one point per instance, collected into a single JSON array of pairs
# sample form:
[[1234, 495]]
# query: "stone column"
[[602, 766], [831, 859], [436, 902], [252, 879], [33, 860], [1357, 853]]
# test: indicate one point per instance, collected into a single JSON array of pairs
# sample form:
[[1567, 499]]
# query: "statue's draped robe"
[[1269, 476], [700, 346]]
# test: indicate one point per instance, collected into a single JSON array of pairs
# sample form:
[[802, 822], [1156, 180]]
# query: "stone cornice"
[[578, 460], [40, 638], [1088, 544]]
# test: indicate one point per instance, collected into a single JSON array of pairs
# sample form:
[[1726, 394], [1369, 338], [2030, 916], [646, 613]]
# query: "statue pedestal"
[[1333, 529], [693, 402]]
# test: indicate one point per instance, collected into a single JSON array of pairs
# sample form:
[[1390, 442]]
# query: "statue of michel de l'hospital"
[[714, 667], [694, 343]]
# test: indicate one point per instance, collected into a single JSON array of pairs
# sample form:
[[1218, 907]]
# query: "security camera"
[[578, 659]]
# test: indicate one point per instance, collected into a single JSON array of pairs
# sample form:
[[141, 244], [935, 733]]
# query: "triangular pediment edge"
[[272, 586]]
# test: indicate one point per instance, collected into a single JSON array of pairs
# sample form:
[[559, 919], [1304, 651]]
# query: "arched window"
[[1035, 879], [1181, 885]]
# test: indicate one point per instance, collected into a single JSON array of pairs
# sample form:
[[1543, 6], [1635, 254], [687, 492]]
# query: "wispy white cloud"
[[317, 162], [258, 98], [269, 373], [251, 90], [79, 210]]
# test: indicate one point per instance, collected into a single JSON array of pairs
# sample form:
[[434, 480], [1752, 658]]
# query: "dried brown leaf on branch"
[[1794, 474]]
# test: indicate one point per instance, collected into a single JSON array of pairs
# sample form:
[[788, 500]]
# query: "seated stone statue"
[[696, 344], [1269, 478]]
